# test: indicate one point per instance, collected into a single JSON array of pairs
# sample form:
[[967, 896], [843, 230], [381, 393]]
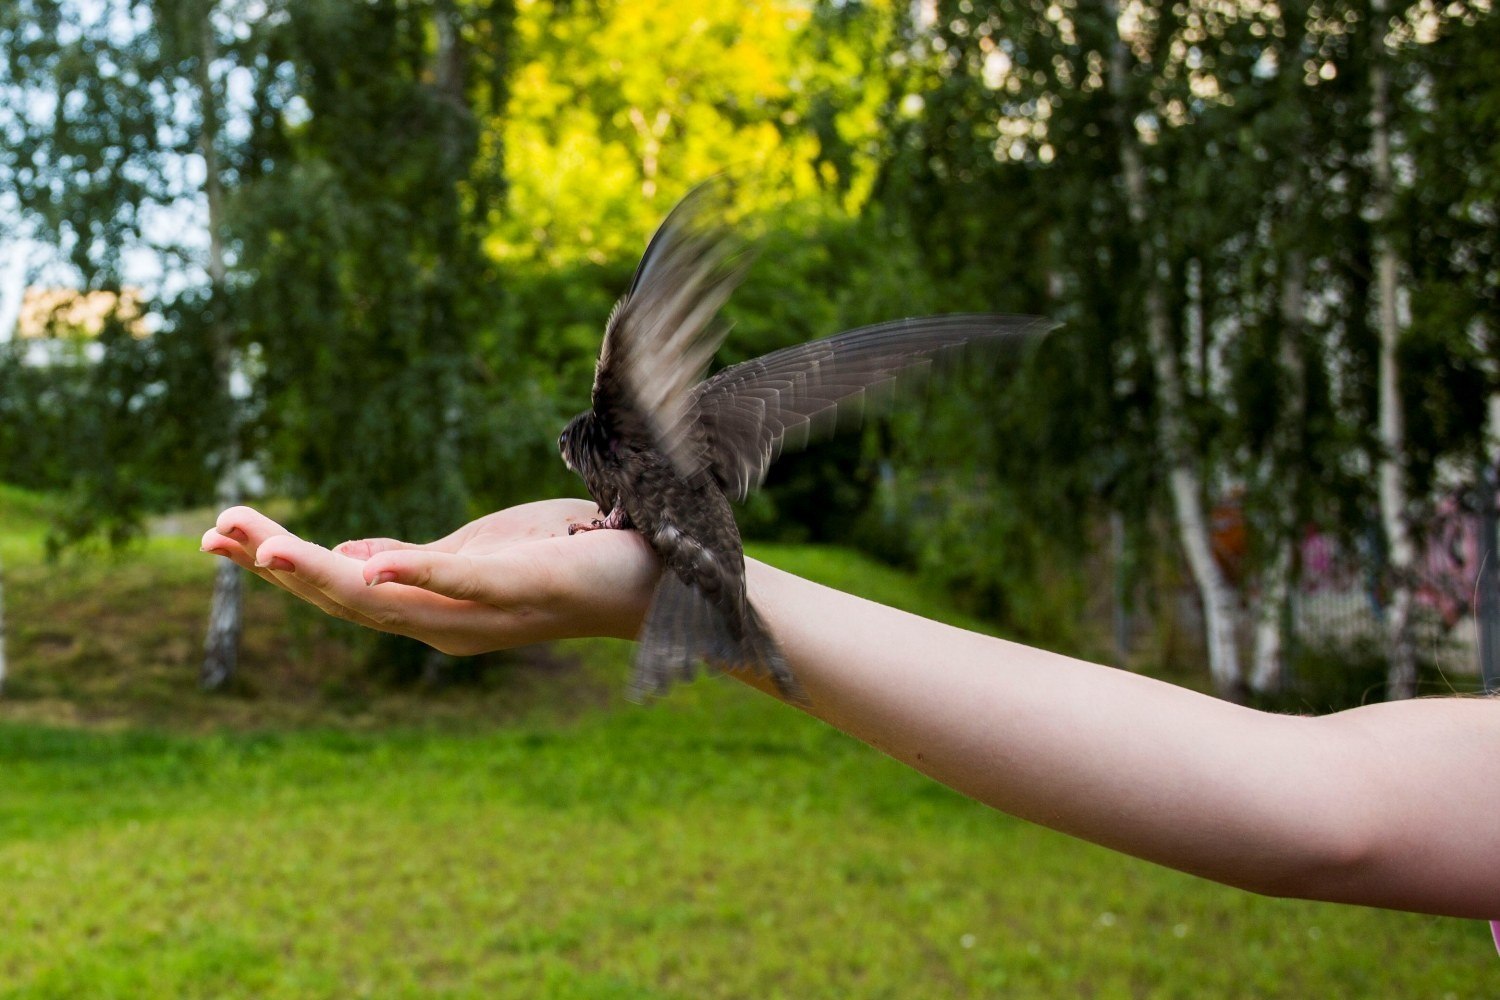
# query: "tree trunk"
[[1283, 463], [1269, 669], [1401, 681], [221, 644], [1185, 477]]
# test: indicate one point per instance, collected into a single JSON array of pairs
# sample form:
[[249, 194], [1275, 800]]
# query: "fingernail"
[[234, 533], [278, 564], [384, 576]]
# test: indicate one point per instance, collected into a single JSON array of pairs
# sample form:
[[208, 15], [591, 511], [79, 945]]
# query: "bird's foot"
[[613, 520]]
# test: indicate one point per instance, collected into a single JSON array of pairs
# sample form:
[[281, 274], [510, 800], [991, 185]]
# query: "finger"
[[218, 545], [364, 548], [311, 572], [473, 603], [494, 580], [335, 583], [251, 529], [247, 526]]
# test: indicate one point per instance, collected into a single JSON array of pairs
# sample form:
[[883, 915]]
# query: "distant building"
[[62, 325]]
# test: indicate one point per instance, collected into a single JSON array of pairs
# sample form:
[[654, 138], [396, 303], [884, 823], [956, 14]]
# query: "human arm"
[[1391, 805], [1387, 805]]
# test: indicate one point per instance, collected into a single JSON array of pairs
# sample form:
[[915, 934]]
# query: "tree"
[[93, 139], [1184, 473], [1400, 551], [1197, 220], [194, 21], [359, 220], [1446, 232]]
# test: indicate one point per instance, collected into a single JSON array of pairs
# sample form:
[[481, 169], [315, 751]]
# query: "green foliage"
[[856, 573], [1450, 237], [1332, 675], [86, 126], [367, 284], [600, 142], [104, 430], [426, 230]]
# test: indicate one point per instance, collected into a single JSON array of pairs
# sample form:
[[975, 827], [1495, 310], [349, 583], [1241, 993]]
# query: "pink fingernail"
[[234, 533], [279, 565], [384, 576]]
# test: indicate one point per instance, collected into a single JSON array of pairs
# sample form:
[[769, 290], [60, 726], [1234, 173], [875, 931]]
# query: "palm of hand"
[[505, 579]]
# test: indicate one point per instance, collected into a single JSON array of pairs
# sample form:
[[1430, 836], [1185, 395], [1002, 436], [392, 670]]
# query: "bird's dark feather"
[[663, 333], [751, 413], [662, 451]]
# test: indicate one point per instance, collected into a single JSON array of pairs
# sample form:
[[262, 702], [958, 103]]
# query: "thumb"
[[364, 548], [461, 577]]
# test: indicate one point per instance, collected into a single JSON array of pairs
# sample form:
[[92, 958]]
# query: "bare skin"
[[1390, 805]]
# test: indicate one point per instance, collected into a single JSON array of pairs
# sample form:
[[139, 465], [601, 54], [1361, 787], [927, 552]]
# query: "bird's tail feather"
[[684, 629]]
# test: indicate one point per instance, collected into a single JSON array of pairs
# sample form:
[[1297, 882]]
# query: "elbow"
[[1330, 868]]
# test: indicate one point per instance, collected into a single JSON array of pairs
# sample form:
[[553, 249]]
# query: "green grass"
[[23, 521], [536, 837], [713, 845]]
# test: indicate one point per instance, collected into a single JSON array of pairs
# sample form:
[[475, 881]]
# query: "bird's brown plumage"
[[662, 450]]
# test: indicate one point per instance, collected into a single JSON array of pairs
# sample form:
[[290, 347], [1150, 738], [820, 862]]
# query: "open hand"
[[507, 579]]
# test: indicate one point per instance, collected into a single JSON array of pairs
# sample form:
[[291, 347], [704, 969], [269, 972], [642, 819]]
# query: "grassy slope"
[[713, 845]]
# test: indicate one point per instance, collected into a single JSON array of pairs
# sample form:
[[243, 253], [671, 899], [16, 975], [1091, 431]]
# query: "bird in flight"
[[663, 450]]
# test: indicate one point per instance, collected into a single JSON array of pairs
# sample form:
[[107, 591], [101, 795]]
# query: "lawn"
[[559, 842]]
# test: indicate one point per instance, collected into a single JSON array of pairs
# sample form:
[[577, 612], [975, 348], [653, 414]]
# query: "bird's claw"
[[615, 519]]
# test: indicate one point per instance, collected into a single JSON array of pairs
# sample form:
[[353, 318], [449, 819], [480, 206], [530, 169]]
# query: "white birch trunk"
[[221, 642], [1269, 650], [1401, 681], [1269, 668], [1220, 606]]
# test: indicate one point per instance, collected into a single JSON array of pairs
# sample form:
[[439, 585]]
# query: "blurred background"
[[351, 261]]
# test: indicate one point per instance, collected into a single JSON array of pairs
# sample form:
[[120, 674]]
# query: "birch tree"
[[1185, 473], [1269, 645], [222, 637], [1401, 680], [1451, 217], [1282, 469]]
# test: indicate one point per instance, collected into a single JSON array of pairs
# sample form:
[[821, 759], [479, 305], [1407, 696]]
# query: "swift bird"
[[663, 452]]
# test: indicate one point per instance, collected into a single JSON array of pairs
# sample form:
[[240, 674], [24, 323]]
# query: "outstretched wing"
[[752, 412], [662, 335]]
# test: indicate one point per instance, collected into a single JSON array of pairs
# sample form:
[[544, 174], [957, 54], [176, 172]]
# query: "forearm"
[[1266, 802]]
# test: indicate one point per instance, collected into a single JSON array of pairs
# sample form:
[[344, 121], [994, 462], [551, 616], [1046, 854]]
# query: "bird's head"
[[573, 442]]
